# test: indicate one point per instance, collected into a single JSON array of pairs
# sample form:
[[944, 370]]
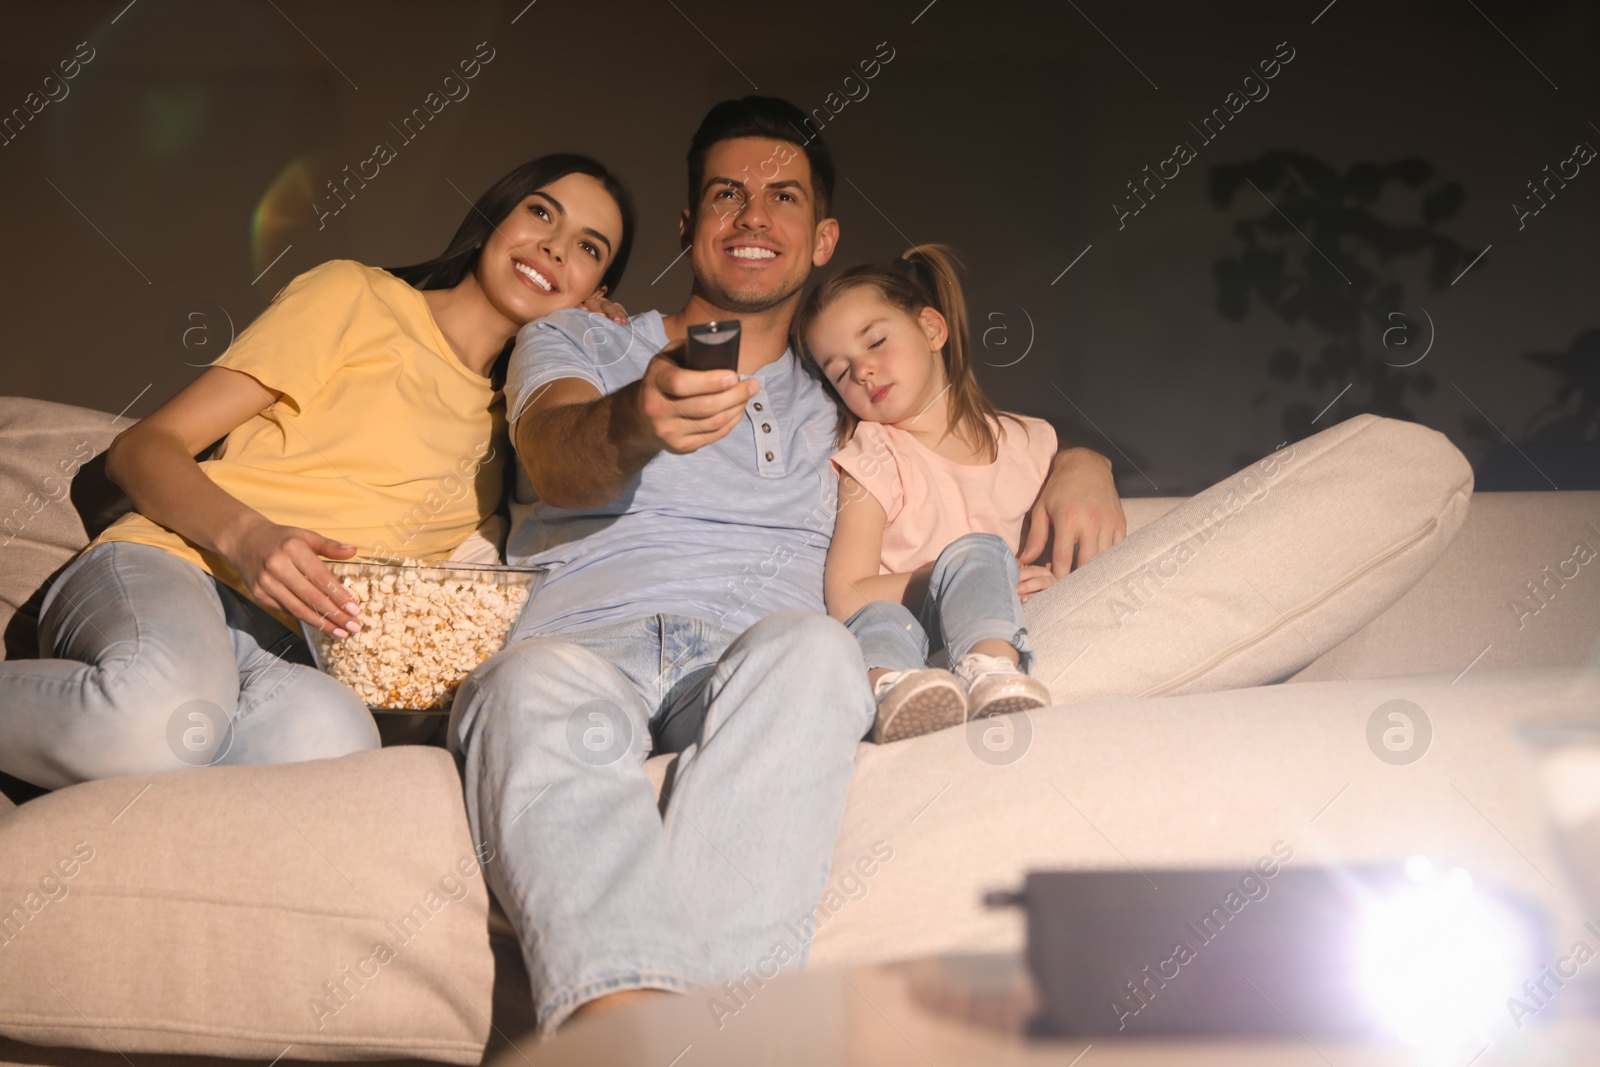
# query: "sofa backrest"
[[1519, 586]]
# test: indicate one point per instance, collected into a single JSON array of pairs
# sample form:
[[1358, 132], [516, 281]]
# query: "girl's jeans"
[[159, 666], [972, 595]]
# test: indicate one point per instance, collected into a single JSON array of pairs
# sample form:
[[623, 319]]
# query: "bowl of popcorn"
[[424, 627]]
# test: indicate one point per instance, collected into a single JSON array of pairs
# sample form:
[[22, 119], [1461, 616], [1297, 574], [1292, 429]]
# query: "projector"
[[1351, 953]]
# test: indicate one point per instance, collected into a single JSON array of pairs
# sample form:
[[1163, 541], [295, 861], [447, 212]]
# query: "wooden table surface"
[[953, 1011]]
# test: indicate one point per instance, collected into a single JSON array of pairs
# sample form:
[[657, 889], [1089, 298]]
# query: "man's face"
[[754, 235]]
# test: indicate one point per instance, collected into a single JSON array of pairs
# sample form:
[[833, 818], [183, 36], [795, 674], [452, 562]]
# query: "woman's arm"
[[153, 461], [850, 576]]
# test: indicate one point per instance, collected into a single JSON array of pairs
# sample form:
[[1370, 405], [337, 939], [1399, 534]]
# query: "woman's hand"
[[609, 308], [1033, 579], [281, 568]]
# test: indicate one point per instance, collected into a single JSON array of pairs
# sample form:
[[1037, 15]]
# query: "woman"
[[351, 407]]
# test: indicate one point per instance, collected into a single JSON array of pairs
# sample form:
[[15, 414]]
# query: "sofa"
[[1337, 653]]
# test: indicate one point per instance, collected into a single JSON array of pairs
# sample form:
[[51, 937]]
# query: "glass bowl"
[[1567, 762], [424, 627]]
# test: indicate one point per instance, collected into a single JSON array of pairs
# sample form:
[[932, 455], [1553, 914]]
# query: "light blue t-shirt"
[[728, 533]]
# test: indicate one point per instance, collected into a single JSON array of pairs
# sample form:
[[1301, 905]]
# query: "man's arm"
[[1077, 509], [581, 447]]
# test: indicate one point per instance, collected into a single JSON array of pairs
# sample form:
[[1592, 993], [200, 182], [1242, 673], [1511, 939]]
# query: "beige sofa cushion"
[[1475, 606], [51, 463], [1520, 587], [332, 909], [1250, 580], [1206, 780]]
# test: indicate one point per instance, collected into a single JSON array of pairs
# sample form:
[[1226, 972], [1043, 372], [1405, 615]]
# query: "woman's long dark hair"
[[460, 257]]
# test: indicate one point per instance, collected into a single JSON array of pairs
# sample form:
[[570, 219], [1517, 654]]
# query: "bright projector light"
[[1436, 957]]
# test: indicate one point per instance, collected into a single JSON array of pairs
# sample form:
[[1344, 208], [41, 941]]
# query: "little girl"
[[934, 488]]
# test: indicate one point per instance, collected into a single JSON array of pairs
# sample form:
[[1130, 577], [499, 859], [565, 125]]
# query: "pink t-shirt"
[[931, 500]]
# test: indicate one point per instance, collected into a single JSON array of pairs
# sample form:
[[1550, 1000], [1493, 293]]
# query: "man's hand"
[[688, 409], [1077, 510]]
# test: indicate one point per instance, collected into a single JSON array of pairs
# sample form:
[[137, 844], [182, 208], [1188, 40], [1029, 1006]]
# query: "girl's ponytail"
[[934, 268], [924, 276]]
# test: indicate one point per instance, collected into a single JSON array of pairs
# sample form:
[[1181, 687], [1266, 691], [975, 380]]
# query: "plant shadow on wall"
[[1560, 442], [1317, 254]]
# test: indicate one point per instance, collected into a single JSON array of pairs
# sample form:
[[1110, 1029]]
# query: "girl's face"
[[552, 250], [885, 363]]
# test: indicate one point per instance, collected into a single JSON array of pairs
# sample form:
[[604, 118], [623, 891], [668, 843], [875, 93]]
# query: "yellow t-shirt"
[[382, 439]]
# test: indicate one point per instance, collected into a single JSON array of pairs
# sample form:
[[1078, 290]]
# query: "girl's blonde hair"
[[924, 276]]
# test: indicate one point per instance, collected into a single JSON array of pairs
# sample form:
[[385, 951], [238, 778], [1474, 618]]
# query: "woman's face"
[[885, 364], [552, 250]]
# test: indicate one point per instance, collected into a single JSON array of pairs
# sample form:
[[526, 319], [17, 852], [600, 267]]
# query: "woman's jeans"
[[972, 595], [609, 891], [158, 666]]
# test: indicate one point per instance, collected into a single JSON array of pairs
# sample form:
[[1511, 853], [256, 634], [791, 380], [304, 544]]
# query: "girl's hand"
[[1032, 579], [609, 308], [281, 568]]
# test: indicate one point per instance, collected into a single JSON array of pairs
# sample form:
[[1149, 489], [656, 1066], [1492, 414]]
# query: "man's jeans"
[[972, 595], [154, 665], [607, 891]]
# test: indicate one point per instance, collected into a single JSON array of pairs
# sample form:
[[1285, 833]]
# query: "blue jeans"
[[972, 595], [608, 891], [155, 666]]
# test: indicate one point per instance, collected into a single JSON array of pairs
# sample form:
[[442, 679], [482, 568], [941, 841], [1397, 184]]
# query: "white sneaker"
[[917, 702], [995, 686]]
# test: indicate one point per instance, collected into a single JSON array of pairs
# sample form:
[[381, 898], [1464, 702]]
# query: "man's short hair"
[[770, 118]]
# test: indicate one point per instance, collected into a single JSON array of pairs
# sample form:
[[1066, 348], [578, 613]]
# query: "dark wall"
[[1310, 251]]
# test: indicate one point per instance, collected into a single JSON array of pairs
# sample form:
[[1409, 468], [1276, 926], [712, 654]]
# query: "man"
[[684, 517]]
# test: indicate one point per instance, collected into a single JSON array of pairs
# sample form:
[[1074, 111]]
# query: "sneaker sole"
[[930, 710], [1007, 705]]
